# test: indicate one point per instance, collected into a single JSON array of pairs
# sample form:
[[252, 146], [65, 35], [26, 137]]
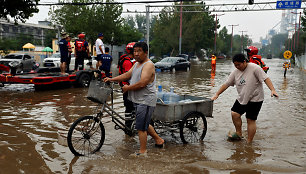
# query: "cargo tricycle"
[[186, 118]]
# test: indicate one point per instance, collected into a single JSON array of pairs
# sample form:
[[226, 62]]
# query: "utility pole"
[[181, 26], [216, 32], [232, 38], [298, 30], [242, 40], [148, 27]]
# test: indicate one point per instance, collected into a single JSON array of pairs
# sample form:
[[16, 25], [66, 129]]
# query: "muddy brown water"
[[33, 126]]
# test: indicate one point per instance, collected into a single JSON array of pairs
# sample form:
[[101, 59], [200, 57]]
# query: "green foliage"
[[197, 31], [16, 43], [90, 19], [303, 20], [51, 34], [18, 9]]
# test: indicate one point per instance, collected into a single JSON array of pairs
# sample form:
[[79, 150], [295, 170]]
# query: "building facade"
[[37, 31]]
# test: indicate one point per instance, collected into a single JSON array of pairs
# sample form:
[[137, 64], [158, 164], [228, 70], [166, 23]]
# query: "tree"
[[93, 19], [198, 31], [18, 9], [50, 35], [224, 41]]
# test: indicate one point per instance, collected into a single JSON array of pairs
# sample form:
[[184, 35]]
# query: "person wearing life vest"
[[69, 53], [254, 58], [64, 51], [81, 52], [213, 62], [125, 63]]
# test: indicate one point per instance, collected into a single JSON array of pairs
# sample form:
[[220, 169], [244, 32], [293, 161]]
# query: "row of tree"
[[197, 30], [198, 27]]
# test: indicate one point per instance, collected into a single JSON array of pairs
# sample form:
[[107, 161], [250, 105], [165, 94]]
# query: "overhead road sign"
[[288, 4]]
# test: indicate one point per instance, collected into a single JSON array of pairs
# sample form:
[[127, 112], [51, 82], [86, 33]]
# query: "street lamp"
[[216, 31], [232, 38]]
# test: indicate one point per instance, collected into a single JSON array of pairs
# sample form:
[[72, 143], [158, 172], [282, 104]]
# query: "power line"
[[111, 3]]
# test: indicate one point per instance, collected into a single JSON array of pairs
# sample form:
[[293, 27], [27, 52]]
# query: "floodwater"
[[33, 126]]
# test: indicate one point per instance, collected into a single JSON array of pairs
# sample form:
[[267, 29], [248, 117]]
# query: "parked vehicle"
[[221, 56], [269, 56], [194, 58], [55, 61], [185, 56], [20, 62], [171, 63]]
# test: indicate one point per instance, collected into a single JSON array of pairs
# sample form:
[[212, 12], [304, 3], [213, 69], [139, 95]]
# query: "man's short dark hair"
[[106, 49], [142, 45], [239, 58]]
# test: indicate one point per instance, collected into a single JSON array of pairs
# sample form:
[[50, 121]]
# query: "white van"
[[55, 61]]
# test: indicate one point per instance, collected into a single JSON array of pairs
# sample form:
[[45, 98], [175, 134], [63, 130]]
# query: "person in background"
[[248, 78], [81, 52], [64, 52], [125, 63], [106, 62], [100, 50], [213, 62], [69, 53], [254, 58], [142, 93]]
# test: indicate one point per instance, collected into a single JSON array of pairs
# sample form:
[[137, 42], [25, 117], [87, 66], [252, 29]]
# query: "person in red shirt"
[[125, 63], [254, 58]]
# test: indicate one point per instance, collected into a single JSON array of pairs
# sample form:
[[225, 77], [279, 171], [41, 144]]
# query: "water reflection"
[[212, 77], [244, 153], [285, 85]]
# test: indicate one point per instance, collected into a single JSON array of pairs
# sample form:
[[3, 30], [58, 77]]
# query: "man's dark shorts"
[[143, 116], [251, 109], [64, 59], [99, 57]]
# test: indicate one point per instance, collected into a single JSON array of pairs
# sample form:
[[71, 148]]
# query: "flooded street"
[[33, 126]]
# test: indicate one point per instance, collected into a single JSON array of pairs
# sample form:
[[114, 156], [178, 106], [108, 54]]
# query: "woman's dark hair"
[[142, 45], [239, 58]]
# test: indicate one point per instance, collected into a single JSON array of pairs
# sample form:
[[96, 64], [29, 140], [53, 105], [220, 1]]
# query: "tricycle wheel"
[[193, 128], [86, 136]]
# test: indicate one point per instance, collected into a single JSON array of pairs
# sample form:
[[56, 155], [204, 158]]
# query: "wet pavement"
[[34, 124]]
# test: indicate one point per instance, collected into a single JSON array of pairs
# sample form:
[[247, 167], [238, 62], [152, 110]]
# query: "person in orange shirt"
[[213, 62]]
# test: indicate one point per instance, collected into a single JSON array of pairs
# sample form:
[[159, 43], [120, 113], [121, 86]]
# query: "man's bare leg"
[[143, 141], [251, 129], [63, 67], [154, 135], [236, 118]]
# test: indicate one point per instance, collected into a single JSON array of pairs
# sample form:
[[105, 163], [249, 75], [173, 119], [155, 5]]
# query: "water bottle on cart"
[[171, 97], [160, 94]]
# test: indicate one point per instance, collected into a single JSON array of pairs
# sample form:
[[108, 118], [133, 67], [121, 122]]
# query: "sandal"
[[233, 136]]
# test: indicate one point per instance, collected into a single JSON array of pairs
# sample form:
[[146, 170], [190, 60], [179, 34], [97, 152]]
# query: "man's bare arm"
[[123, 77], [271, 87], [147, 77]]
